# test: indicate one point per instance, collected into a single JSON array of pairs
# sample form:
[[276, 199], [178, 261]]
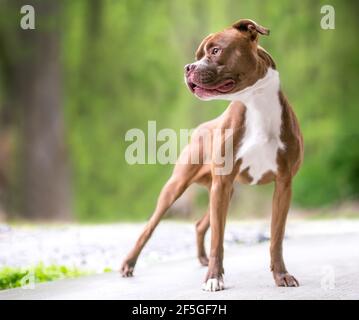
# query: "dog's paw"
[[285, 280], [127, 268], [203, 260], [213, 284]]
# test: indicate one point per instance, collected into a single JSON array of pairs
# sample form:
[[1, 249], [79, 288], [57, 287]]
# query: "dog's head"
[[226, 61]]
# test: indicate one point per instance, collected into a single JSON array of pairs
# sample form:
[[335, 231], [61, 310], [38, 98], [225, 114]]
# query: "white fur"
[[197, 63], [213, 285], [201, 62], [261, 140]]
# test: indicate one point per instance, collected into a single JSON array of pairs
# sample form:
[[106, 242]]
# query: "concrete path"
[[324, 260]]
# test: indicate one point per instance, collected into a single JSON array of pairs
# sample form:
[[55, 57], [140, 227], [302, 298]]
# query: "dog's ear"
[[251, 27]]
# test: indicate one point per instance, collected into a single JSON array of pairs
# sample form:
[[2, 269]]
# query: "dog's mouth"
[[202, 90]]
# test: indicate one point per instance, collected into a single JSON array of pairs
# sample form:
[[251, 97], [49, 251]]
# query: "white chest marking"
[[261, 140]]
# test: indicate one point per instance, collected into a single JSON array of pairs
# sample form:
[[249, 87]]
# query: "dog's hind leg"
[[172, 190], [184, 174], [201, 228], [188, 169], [202, 225]]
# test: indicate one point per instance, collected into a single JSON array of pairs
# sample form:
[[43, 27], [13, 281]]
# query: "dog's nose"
[[189, 67]]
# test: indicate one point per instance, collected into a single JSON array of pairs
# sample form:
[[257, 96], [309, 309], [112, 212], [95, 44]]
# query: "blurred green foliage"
[[130, 70], [123, 66], [16, 277]]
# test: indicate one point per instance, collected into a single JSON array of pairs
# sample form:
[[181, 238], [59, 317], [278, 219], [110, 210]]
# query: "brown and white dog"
[[267, 143]]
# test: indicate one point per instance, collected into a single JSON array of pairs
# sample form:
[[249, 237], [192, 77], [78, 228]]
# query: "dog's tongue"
[[226, 86]]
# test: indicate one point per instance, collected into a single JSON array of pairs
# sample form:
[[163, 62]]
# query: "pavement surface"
[[322, 255]]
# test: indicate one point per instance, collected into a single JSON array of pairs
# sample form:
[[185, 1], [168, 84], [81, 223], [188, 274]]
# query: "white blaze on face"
[[197, 63], [200, 62], [261, 140]]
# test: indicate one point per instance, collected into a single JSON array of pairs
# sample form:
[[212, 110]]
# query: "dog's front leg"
[[281, 202], [219, 200]]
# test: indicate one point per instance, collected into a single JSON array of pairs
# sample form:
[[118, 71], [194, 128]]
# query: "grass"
[[19, 277]]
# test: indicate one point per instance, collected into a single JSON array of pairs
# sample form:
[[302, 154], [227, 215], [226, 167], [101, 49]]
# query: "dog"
[[266, 138]]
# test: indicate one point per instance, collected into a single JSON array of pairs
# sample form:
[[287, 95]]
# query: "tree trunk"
[[46, 193]]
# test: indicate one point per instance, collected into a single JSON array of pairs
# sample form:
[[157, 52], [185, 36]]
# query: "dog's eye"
[[215, 51]]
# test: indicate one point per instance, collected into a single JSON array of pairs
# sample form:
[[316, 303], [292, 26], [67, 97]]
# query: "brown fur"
[[243, 60]]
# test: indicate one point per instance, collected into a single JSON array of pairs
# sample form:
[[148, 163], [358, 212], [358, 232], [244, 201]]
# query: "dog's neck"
[[262, 89], [266, 86], [263, 121]]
